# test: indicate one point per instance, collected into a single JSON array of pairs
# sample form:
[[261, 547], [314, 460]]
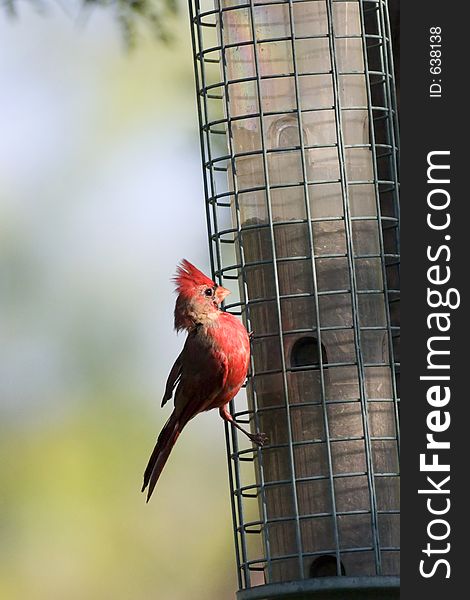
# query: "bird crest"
[[188, 277]]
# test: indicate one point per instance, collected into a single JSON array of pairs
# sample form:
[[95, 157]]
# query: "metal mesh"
[[298, 139]]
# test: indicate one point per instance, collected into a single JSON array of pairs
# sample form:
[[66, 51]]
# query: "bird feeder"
[[298, 135]]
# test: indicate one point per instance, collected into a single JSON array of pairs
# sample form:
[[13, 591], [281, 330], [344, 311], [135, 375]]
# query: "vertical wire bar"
[[378, 208], [197, 51], [206, 154], [395, 128], [277, 288], [394, 104], [244, 556], [315, 289], [391, 95], [235, 518], [243, 289], [379, 216], [243, 560], [354, 295], [203, 91], [384, 60]]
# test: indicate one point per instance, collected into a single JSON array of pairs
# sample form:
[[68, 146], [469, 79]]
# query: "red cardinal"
[[211, 367]]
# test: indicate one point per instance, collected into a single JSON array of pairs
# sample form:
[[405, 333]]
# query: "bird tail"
[[165, 442]]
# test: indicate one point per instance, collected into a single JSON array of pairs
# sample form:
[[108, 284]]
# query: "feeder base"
[[327, 588]]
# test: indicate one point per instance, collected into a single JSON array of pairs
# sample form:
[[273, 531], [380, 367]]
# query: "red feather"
[[188, 277], [211, 368]]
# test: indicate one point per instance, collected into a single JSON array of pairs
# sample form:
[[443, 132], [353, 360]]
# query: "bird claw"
[[259, 439]]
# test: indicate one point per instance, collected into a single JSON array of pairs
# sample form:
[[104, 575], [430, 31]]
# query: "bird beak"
[[221, 293]]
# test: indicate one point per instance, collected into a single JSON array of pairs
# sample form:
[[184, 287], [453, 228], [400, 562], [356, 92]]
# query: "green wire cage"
[[298, 131]]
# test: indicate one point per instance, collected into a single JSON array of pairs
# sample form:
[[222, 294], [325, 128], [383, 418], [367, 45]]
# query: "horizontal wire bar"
[[251, 78], [283, 482], [317, 403], [345, 550], [312, 516]]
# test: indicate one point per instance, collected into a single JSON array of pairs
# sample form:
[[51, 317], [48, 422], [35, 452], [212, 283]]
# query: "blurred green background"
[[100, 196]]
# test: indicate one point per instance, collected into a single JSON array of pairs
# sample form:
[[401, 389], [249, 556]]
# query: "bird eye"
[[208, 292]]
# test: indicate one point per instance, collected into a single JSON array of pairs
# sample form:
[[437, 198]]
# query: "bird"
[[211, 368]]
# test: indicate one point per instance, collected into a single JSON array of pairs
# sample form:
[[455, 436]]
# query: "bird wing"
[[173, 378], [203, 376], [200, 372]]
